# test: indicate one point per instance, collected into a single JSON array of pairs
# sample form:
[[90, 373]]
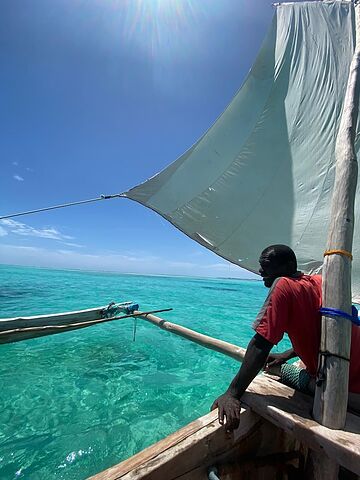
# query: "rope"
[[128, 307], [114, 308], [321, 371], [333, 312], [134, 330], [329, 354], [338, 252], [63, 205]]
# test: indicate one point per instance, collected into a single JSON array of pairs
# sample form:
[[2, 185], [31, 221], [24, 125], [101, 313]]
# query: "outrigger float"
[[278, 166]]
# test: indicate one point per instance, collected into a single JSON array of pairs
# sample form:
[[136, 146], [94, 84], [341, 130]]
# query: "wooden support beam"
[[332, 387], [220, 346]]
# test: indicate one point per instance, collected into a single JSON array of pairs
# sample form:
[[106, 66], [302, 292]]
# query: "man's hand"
[[229, 411], [275, 360], [229, 403]]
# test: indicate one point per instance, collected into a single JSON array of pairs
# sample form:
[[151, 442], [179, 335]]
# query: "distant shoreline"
[[107, 272]]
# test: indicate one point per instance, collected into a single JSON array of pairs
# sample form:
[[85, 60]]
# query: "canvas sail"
[[264, 172]]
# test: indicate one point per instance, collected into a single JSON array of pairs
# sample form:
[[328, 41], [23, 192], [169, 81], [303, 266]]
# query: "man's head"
[[277, 261]]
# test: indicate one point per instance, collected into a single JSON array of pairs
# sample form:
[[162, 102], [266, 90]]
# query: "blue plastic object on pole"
[[333, 312], [130, 309]]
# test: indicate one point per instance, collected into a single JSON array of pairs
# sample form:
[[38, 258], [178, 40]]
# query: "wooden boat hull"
[[277, 438], [256, 450]]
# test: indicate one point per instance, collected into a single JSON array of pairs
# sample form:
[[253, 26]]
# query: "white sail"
[[264, 172]]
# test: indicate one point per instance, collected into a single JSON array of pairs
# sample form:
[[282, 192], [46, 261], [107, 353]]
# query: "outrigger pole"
[[229, 349]]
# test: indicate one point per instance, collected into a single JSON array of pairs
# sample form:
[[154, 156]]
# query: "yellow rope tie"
[[339, 252]]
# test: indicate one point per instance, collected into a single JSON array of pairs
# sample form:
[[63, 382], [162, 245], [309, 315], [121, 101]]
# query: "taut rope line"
[[63, 205]]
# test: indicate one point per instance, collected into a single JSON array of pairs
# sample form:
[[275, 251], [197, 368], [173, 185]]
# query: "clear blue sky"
[[98, 95]]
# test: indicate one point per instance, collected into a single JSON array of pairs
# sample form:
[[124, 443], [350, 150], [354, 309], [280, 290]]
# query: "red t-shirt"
[[292, 307]]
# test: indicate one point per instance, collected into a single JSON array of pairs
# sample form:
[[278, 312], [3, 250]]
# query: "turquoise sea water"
[[76, 403]]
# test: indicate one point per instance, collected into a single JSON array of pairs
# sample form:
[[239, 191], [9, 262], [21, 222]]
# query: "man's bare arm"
[[229, 403]]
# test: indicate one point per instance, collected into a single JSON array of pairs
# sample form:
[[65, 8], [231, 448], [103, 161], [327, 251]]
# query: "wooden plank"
[[319, 465], [151, 452], [331, 393], [291, 411], [236, 456], [205, 435]]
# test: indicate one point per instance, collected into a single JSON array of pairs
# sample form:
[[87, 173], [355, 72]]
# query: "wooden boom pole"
[[238, 353], [331, 393]]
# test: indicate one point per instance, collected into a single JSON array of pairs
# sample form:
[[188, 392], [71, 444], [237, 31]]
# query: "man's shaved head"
[[281, 254], [277, 261]]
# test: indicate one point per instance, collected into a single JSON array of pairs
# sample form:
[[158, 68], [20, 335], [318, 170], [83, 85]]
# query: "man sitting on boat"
[[292, 307]]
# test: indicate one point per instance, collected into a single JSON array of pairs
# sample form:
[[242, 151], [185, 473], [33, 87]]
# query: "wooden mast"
[[331, 393]]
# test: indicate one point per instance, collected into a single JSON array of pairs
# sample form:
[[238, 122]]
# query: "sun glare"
[[159, 21]]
